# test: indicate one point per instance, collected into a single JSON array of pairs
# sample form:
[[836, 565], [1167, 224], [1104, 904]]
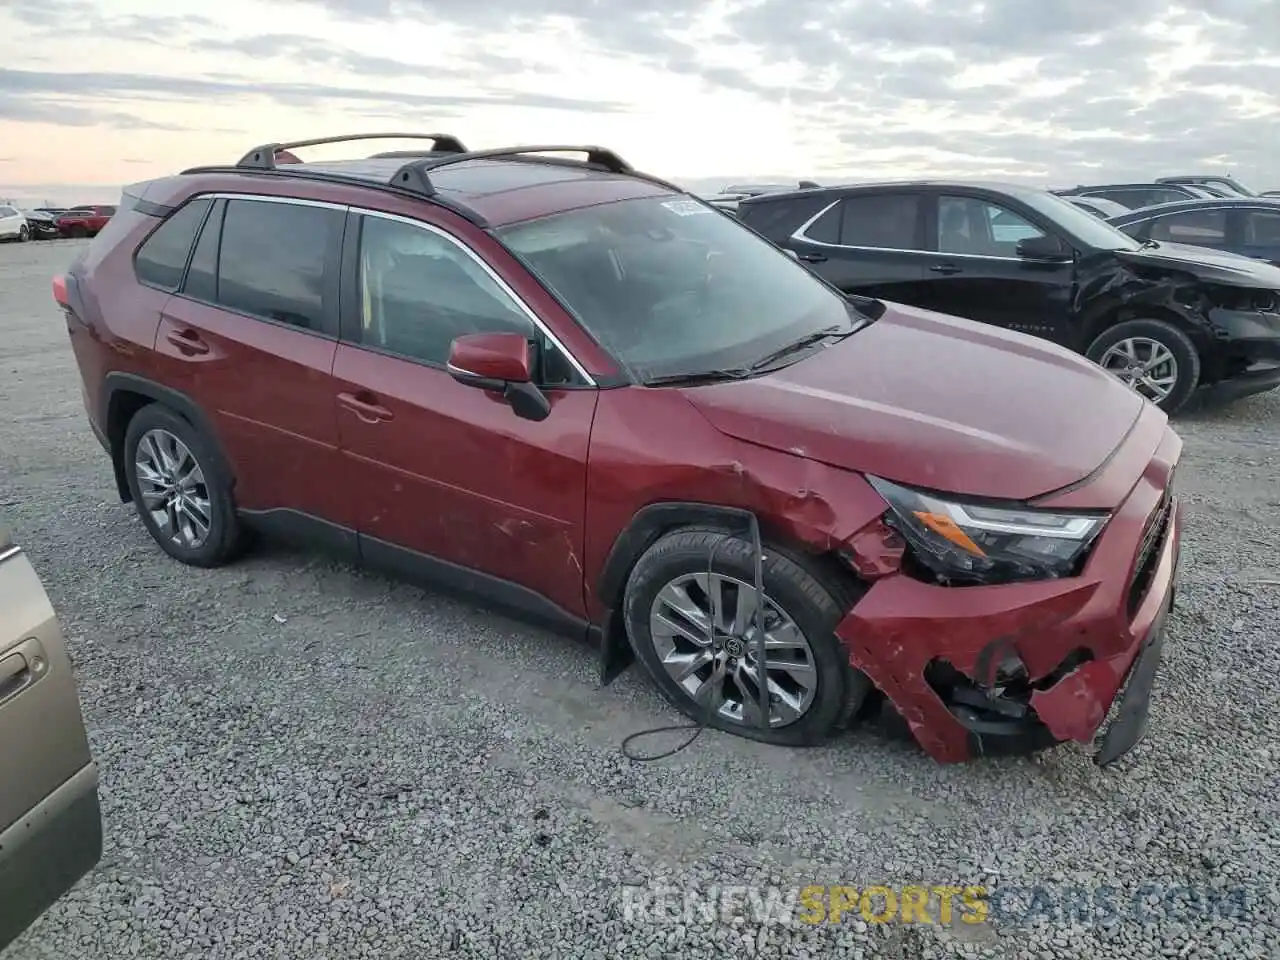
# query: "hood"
[[1215, 266], [938, 402], [36, 216]]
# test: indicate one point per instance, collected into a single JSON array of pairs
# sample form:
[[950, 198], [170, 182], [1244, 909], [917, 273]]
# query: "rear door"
[[50, 826], [871, 244], [250, 336], [1259, 232], [975, 270]]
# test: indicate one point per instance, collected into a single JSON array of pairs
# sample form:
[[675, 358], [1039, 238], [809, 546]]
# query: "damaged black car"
[[1170, 320]]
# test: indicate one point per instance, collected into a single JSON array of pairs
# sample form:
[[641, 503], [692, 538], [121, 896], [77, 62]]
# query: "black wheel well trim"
[[117, 385], [650, 523], [1120, 313]]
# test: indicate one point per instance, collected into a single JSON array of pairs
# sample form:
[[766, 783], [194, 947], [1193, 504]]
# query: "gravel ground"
[[303, 760]]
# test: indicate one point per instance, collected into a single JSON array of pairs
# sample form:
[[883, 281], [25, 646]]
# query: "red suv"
[[597, 401], [84, 221]]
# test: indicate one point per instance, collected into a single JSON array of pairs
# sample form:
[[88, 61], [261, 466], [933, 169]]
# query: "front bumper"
[[1077, 638]]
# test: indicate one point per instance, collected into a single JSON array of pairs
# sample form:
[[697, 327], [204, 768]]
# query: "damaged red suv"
[[598, 402]]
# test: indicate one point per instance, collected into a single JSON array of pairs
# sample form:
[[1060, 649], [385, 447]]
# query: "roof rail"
[[263, 157], [415, 175]]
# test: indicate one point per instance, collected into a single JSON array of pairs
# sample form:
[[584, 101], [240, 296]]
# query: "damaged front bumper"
[[974, 669]]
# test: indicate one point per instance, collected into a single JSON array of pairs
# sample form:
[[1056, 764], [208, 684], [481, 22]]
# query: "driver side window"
[[419, 290], [967, 225]]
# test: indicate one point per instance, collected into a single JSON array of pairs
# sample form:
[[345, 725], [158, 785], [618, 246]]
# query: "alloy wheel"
[[701, 627], [172, 484], [1144, 365], [24, 234]]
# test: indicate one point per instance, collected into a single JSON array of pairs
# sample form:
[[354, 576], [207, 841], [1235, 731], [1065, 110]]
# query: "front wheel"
[[693, 631], [24, 233], [1151, 357]]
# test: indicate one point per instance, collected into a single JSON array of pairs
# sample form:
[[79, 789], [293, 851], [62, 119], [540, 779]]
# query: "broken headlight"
[[971, 543]]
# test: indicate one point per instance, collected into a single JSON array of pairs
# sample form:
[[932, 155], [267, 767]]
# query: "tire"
[[79, 233], [211, 499], [24, 233], [1186, 358], [814, 602]]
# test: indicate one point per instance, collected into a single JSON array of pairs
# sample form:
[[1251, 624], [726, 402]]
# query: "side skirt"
[[495, 593]]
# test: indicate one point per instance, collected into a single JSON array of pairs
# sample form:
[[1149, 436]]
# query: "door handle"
[[813, 257], [15, 674], [188, 342], [946, 269], [365, 406]]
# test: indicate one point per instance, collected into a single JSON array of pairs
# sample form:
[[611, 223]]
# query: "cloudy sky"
[[95, 93]]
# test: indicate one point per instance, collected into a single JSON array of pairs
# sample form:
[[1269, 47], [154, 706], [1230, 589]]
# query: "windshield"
[[673, 287], [1081, 224]]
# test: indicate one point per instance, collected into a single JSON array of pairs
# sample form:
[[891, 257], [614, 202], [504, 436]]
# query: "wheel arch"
[[1120, 313], [124, 394], [652, 522]]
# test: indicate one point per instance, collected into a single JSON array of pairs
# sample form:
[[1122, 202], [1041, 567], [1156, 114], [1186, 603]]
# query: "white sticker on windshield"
[[686, 208]]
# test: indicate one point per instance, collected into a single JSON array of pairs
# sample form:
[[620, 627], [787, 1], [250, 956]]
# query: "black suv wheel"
[[1152, 357]]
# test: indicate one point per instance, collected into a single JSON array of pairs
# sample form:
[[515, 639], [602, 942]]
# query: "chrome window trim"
[[9, 553], [801, 236], [440, 232]]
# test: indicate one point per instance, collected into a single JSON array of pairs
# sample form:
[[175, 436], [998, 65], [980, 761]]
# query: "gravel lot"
[[303, 760]]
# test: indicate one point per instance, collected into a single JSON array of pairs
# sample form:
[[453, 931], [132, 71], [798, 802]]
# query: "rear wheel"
[[692, 630], [180, 494], [1151, 357]]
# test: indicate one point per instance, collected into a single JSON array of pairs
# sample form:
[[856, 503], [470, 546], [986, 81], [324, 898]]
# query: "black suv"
[[1163, 317]]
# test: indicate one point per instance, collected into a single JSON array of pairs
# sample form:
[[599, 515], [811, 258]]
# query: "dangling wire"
[[718, 669]]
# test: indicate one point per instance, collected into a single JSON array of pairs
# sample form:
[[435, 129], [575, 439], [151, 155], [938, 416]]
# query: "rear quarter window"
[[777, 219], [162, 258]]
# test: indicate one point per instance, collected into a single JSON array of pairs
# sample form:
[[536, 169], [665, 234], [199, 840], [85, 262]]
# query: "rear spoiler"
[[134, 196]]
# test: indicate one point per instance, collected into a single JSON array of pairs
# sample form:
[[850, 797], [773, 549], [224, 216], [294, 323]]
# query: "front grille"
[[1153, 537]]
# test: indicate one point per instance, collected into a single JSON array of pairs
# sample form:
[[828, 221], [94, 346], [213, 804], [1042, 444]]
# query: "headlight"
[[971, 543]]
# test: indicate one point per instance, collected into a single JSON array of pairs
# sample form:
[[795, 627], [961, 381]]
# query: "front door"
[[975, 271], [446, 477]]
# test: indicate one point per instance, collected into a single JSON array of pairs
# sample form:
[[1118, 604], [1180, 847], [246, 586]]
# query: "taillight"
[[60, 291]]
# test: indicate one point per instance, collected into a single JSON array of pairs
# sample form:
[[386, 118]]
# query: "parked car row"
[[51, 223], [1169, 299]]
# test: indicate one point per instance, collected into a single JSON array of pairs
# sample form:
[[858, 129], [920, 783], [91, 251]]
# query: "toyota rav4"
[[594, 399]]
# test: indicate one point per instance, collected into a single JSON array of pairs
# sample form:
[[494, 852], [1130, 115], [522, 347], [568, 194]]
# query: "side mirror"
[[502, 362], [1043, 249]]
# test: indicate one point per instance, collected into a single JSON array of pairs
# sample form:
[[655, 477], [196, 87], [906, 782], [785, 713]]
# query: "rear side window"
[[885, 221], [273, 258], [162, 258], [778, 219], [1196, 227], [202, 274]]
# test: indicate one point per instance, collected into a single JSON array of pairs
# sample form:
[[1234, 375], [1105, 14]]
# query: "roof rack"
[[263, 157], [415, 175]]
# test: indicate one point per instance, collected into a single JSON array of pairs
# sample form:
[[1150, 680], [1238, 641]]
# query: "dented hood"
[[938, 402]]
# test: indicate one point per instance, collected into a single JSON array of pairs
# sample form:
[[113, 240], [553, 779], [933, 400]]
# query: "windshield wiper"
[[697, 376], [803, 343]]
